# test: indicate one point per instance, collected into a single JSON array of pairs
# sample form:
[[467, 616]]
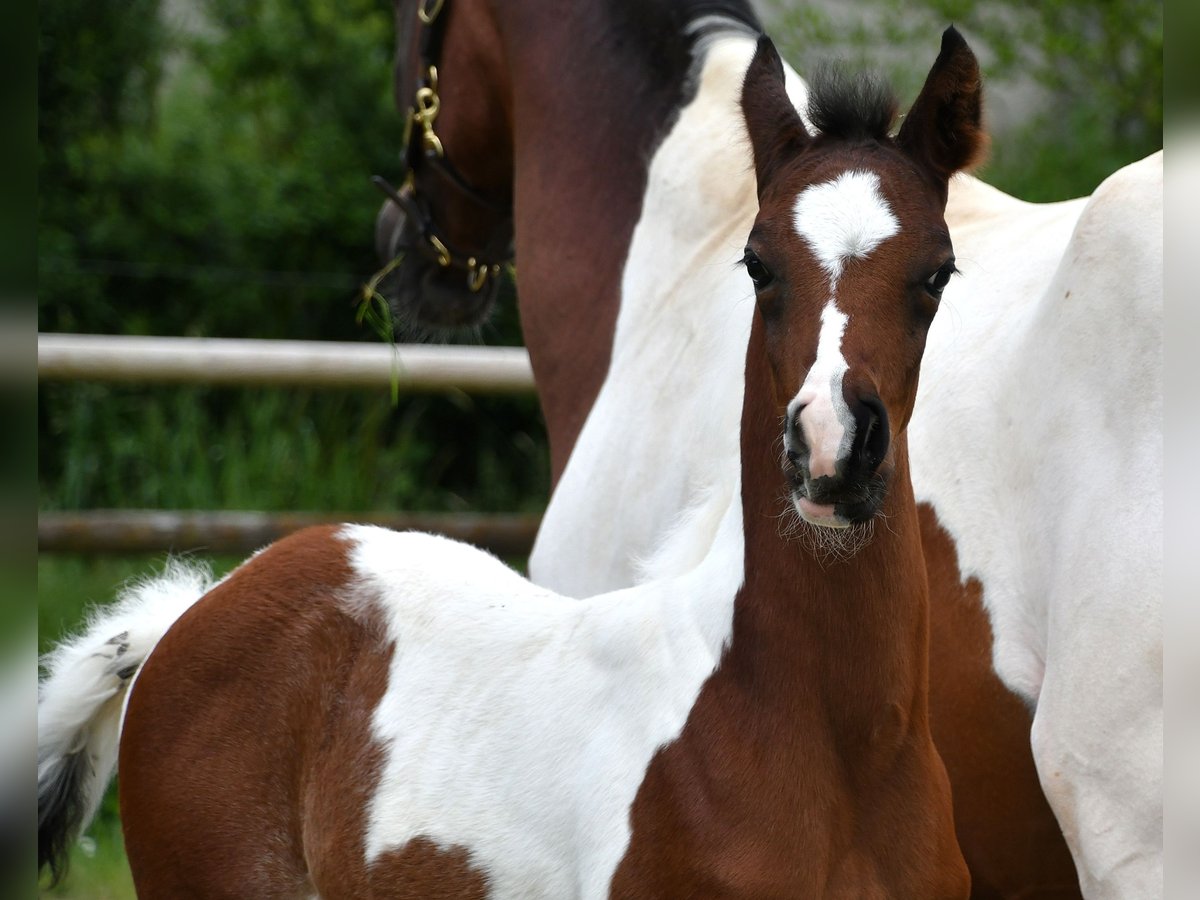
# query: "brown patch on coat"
[[247, 759], [214, 740], [422, 870], [1008, 834]]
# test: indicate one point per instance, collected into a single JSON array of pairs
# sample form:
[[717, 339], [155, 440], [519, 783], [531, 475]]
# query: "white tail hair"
[[81, 701]]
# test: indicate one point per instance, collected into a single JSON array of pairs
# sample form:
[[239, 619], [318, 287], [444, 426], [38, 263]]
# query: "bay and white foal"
[[361, 713]]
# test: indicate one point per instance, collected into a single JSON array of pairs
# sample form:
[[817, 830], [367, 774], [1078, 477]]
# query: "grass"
[[99, 870]]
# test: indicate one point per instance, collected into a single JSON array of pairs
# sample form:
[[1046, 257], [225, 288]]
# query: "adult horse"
[[361, 713], [1045, 553]]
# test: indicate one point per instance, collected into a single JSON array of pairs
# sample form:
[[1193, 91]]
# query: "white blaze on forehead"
[[825, 420], [844, 219]]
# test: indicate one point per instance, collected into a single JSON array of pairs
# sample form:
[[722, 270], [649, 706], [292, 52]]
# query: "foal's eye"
[[759, 274], [938, 281]]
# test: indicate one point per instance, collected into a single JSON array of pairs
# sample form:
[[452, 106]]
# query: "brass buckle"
[[429, 10], [443, 254], [426, 106], [479, 274]]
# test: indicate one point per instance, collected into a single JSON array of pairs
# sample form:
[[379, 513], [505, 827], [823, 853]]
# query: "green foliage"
[[221, 186], [209, 448], [1100, 64], [214, 180]]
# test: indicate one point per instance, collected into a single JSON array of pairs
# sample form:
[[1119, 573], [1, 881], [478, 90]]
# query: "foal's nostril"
[[871, 439], [795, 429], [794, 446]]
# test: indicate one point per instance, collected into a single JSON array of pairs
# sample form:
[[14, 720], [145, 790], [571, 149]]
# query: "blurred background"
[[203, 171]]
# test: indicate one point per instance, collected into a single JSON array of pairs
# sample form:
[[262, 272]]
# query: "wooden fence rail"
[[155, 531], [224, 361], [219, 361]]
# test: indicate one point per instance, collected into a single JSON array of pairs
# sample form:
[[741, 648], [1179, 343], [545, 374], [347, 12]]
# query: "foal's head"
[[849, 256]]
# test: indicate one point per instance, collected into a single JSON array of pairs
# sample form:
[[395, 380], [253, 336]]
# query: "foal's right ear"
[[776, 130]]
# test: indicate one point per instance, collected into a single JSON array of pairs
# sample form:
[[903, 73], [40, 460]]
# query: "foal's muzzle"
[[850, 488]]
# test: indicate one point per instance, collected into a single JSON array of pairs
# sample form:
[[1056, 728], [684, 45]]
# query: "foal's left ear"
[[777, 133], [943, 131]]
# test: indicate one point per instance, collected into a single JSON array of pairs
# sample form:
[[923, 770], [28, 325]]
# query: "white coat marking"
[[824, 418], [519, 724], [842, 219]]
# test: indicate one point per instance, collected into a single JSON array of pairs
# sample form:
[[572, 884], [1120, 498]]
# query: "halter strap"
[[425, 149]]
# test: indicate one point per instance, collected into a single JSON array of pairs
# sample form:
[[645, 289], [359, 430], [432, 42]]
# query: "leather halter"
[[481, 266]]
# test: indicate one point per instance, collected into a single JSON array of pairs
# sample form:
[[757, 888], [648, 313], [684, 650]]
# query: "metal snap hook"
[[429, 10]]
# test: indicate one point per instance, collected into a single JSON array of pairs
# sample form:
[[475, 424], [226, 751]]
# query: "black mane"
[[851, 106], [659, 35]]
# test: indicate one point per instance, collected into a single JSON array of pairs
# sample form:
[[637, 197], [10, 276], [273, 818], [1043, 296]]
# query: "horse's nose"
[[818, 422], [836, 439], [871, 433]]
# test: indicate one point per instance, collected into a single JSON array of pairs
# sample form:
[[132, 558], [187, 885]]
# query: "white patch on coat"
[[843, 219], [517, 723], [679, 354], [819, 409]]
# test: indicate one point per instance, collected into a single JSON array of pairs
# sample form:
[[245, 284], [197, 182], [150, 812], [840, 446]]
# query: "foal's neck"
[[840, 641]]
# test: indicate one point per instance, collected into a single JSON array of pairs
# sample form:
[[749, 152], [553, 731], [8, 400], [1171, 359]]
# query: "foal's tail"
[[81, 702]]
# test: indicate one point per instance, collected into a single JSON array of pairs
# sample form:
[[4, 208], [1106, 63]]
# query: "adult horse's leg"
[[1098, 729]]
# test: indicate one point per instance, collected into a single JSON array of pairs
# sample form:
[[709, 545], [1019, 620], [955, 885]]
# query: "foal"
[[361, 713]]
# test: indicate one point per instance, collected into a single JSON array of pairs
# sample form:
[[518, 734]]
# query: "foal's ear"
[[776, 130], [943, 131]]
